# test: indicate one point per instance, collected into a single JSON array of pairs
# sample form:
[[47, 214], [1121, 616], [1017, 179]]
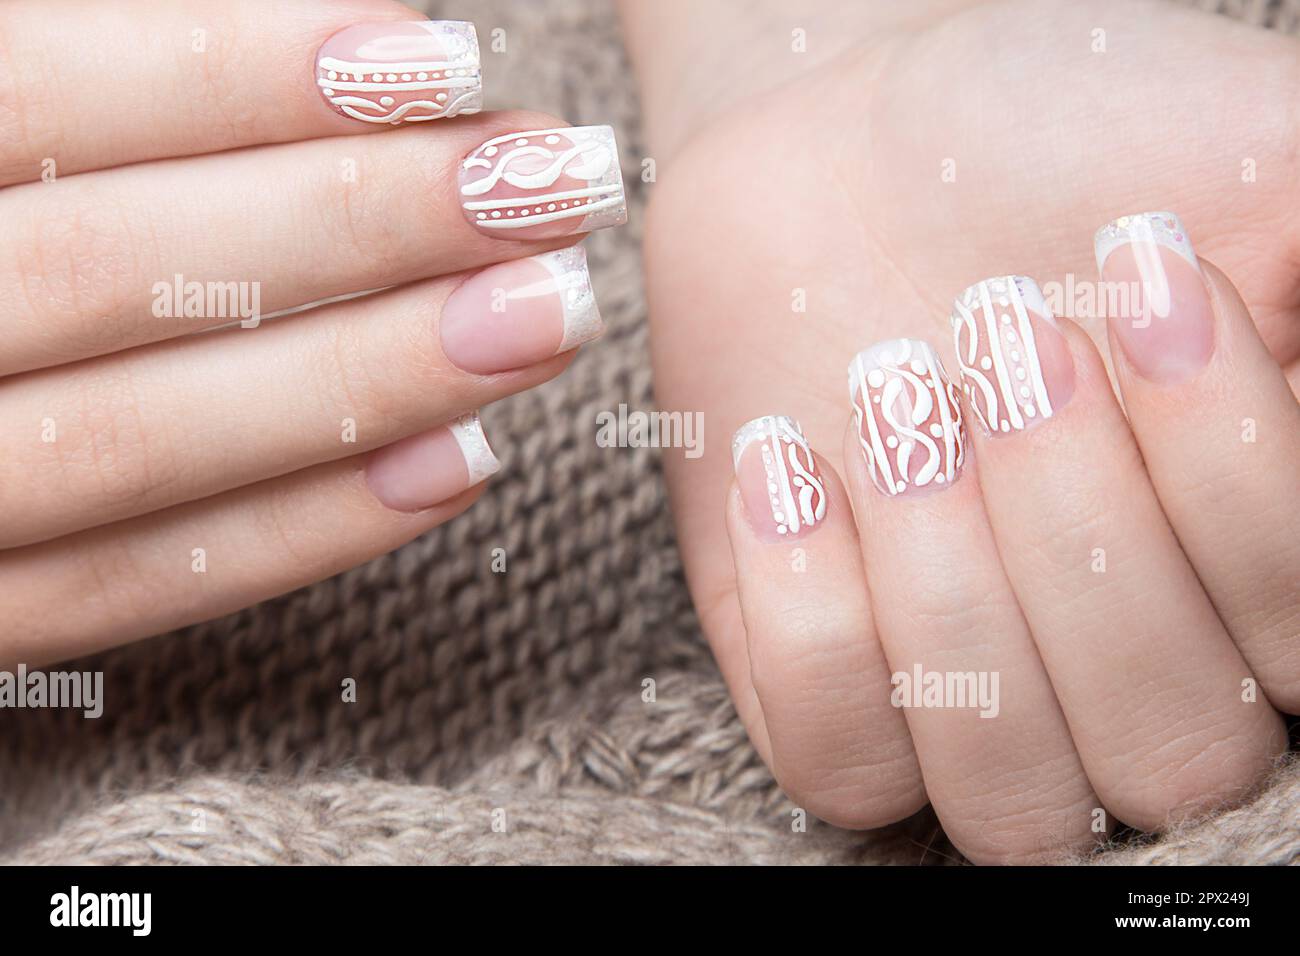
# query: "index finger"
[[91, 86]]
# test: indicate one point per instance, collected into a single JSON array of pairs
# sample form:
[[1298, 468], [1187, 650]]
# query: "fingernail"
[[517, 313], [406, 72], [1015, 364], [423, 470], [782, 490], [544, 183], [1155, 294], [908, 417]]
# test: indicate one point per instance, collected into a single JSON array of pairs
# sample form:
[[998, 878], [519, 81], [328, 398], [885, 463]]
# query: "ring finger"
[[141, 430]]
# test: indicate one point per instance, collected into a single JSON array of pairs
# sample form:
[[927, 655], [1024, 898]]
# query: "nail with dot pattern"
[[543, 184], [406, 72], [778, 477], [909, 423], [1016, 369]]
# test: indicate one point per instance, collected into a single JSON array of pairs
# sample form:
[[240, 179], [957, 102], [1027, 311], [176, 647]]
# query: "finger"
[[93, 85], [1219, 430], [999, 764], [1149, 681], [838, 748], [93, 590], [121, 258], [149, 428]]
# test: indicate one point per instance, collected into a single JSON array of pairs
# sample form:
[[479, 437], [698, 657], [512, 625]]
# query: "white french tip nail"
[[1158, 228], [479, 459], [582, 321], [757, 429]]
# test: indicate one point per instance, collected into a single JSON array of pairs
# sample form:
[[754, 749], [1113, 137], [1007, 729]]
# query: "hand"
[[1128, 580], [215, 161]]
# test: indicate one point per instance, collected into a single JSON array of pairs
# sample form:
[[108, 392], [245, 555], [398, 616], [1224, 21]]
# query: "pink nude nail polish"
[[908, 417], [1155, 293], [779, 482], [402, 72], [1015, 364], [540, 184], [420, 471], [521, 312]]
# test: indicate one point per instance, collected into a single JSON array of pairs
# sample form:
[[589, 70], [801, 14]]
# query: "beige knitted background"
[[520, 692]]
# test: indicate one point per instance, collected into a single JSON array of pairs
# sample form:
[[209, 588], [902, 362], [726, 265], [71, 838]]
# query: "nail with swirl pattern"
[[909, 422], [544, 184]]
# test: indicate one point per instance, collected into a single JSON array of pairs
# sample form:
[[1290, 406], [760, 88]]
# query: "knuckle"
[[377, 378], [111, 449], [860, 797], [218, 75], [1189, 775], [358, 214], [282, 536], [114, 588], [1040, 812], [350, 379], [80, 269], [21, 91]]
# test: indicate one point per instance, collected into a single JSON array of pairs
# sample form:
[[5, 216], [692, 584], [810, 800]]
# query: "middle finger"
[[109, 260], [1148, 678]]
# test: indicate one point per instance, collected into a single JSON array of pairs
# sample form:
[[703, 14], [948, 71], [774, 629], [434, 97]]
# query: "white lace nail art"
[[1157, 228], [908, 416], [795, 490], [997, 353], [402, 72], [544, 183], [479, 459]]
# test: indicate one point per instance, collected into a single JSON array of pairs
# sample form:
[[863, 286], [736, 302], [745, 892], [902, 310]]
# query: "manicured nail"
[[423, 470], [1161, 309], [908, 417], [517, 313], [782, 489], [405, 72], [544, 183], [1015, 364]]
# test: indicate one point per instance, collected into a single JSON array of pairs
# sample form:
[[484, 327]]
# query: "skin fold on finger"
[[114, 259], [93, 590], [837, 746], [130, 433], [216, 75], [1149, 681], [1000, 766], [1219, 430]]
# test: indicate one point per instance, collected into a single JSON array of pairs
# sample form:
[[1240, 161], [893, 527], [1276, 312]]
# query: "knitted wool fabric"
[[484, 697]]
